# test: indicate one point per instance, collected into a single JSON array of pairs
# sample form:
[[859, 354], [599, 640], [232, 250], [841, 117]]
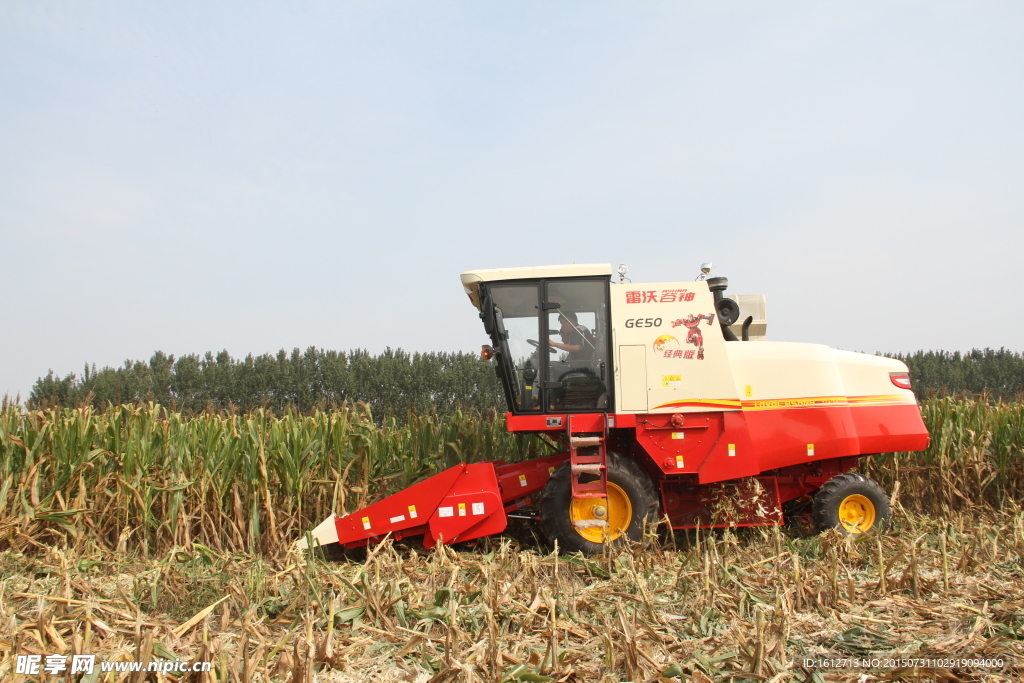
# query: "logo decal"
[[665, 342], [663, 296], [694, 336]]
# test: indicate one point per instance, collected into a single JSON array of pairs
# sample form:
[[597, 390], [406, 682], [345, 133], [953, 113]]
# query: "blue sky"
[[255, 176]]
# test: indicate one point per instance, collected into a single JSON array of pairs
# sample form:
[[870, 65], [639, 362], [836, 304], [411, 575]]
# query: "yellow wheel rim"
[[617, 512], [857, 514]]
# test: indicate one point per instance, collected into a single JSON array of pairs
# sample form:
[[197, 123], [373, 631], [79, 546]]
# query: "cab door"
[[577, 367]]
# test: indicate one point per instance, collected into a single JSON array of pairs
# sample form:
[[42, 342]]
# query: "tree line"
[[396, 381], [999, 374], [393, 382]]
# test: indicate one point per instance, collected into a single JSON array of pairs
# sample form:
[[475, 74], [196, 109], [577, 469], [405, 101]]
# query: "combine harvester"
[[670, 405]]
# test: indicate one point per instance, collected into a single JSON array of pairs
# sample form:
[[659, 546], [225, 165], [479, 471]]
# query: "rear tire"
[[633, 501], [852, 503]]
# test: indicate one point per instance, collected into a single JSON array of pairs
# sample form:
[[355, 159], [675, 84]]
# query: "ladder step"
[[589, 457], [593, 463]]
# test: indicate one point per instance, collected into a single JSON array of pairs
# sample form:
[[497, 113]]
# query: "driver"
[[575, 339]]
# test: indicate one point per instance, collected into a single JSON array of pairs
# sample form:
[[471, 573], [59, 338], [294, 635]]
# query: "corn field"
[[148, 480], [975, 459], [140, 535]]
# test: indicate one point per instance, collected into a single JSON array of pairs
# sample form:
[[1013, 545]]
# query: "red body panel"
[[683, 447], [785, 436], [581, 422], [521, 479], [462, 503], [714, 445], [707, 464], [472, 508], [459, 504], [886, 429], [721, 445], [702, 459], [409, 508], [735, 454]]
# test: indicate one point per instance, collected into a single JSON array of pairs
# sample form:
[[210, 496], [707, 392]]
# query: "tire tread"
[[555, 520], [828, 497]]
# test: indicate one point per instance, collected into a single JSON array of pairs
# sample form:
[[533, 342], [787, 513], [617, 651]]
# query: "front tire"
[[852, 503], [574, 524]]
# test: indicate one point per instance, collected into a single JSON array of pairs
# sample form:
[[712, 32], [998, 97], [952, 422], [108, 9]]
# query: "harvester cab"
[[670, 405]]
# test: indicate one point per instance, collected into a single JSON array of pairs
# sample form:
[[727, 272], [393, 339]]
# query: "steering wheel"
[[536, 344]]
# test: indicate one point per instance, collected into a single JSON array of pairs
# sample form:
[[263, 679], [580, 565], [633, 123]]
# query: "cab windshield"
[[515, 310]]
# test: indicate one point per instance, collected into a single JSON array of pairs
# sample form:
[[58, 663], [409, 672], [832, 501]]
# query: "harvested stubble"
[[738, 606]]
